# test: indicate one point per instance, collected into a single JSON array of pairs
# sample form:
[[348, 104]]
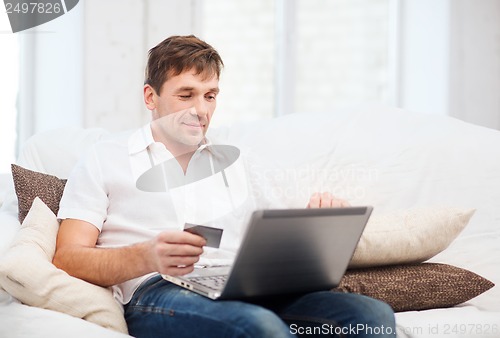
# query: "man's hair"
[[178, 54]]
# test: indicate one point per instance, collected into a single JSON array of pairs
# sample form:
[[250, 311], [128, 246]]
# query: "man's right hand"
[[175, 253]]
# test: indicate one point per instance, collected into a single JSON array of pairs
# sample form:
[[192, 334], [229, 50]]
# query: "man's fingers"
[[314, 201], [181, 237], [175, 253], [177, 270], [344, 204], [178, 243], [183, 260], [326, 200]]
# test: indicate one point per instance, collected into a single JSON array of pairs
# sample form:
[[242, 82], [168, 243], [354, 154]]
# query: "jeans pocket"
[[142, 290]]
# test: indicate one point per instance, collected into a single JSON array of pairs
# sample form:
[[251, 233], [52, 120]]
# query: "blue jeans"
[[161, 309]]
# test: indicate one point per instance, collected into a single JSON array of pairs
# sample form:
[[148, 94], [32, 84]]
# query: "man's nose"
[[201, 107]]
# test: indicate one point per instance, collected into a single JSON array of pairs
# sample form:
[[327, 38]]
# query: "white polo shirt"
[[102, 190]]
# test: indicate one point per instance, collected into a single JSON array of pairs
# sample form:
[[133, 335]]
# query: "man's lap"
[[159, 307]]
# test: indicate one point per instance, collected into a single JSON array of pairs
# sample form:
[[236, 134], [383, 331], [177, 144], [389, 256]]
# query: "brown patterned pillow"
[[30, 184], [416, 287]]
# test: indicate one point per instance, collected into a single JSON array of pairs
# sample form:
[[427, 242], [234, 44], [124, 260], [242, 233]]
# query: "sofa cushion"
[[30, 184], [27, 273], [408, 236], [390, 238], [416, 287]]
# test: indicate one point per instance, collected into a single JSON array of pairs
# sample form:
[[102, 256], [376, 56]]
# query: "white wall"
[[475, 61], [51, 75], [115, 55], [86, 68], [9, 84], [449, 59], [424, 56]]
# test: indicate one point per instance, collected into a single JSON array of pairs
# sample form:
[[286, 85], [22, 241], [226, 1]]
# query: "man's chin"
[[193, 140]]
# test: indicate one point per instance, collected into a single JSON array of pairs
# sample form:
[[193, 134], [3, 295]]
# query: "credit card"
[[212, 235]]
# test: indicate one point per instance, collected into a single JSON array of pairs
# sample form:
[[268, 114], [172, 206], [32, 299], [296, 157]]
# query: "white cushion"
[[408, 236], [5, 184], [9, 226], [27, 273]]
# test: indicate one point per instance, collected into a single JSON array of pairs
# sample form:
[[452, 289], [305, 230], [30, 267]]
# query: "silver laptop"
[[285, 251]]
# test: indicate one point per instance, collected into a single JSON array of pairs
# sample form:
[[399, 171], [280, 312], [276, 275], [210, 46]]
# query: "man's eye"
[[184, 96], [210, 97]]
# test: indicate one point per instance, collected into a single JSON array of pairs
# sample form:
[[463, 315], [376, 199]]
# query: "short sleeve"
[[85, 197]]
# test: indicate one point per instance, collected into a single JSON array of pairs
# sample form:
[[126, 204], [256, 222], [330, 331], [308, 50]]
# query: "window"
[[342, 53], [9, 80], [243, 34], [41, 80], [285, 56]]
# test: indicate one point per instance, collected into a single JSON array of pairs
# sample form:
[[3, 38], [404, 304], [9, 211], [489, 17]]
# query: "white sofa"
[[380, 156]]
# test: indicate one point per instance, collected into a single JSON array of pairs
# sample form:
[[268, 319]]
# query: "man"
[[109, 231]]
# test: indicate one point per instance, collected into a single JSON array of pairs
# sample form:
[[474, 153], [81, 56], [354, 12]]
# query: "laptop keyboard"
[[212, 282]]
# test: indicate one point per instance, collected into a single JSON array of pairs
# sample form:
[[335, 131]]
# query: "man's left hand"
[[326, 200]]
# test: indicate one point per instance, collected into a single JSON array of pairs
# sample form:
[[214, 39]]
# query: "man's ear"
[[150, 97]]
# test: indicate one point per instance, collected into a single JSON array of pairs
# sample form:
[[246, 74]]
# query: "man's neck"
[[181, 152]]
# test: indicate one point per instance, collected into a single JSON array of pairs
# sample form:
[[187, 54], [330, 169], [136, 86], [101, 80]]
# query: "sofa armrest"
[[9, 226]]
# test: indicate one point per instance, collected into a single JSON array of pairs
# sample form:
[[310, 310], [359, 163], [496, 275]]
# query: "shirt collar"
[[143, 138], [140, 140]]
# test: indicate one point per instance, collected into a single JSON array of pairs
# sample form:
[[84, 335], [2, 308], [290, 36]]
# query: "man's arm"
[[172, 253]]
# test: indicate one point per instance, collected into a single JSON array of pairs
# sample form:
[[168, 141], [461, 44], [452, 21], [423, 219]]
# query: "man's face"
[[185, 107]]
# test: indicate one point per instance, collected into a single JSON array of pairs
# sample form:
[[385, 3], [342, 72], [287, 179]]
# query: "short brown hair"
[[178, 54]]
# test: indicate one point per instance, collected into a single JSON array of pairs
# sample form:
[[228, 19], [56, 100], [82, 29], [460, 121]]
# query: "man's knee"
[[375, 318], [345, 311], [255, 321], [376, 311]]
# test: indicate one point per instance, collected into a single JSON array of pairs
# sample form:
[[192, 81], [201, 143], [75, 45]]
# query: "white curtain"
[[51, 75]]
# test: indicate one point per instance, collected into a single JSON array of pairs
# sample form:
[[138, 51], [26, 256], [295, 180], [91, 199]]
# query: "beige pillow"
[[416, 287], [410, 236], [27, 273]]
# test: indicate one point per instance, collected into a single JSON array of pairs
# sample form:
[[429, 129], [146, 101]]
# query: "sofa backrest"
[[52, 152], [385, 157], [56, 152]]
